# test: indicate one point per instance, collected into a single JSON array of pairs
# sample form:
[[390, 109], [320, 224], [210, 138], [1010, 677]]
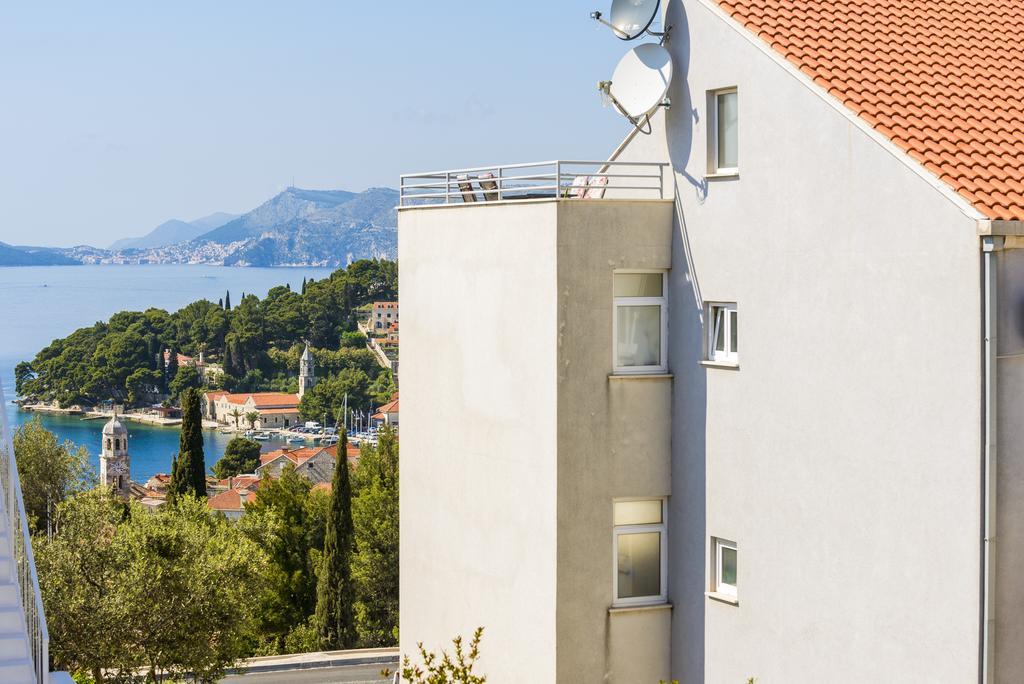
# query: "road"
[[349, 674]]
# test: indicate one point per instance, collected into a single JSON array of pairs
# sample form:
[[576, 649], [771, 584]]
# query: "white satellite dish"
[[640, 81], [630, 19]]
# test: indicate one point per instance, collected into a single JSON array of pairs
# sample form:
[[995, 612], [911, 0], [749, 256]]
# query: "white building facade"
[[748, 429]]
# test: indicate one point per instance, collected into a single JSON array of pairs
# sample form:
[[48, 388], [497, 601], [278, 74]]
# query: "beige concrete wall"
[[843, 455], [639, 645], [1009, 544], [613, 439], [478, 457]]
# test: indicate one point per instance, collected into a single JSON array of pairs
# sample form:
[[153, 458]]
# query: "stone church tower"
[[307, 377], [115, 464]]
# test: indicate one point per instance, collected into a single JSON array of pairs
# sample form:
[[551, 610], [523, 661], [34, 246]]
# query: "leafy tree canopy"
[[176, 591], [49, 471], [240, 456]]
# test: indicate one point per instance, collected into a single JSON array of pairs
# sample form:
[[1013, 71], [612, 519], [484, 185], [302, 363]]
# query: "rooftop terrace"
[[566, 179]]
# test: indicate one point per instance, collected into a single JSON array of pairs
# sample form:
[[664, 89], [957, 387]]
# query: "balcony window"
[[639, 344], [640, 552]]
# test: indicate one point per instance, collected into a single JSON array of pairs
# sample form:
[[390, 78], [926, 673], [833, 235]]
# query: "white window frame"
[[713, 148], [662, 302], [729, 355], [721, 587], [619, 530]]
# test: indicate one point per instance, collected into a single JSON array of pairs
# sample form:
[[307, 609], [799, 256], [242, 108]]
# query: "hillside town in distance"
[[312, 445]]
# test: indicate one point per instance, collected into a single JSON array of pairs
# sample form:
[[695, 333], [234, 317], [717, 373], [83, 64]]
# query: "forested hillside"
[[258, 342]]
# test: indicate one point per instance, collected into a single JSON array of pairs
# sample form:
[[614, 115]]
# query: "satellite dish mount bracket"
[[641, 123]]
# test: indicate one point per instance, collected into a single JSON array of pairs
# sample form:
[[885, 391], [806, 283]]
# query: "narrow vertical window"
[[726, 567], [724, 142], [723, 333], [640, 551], [640, 322]]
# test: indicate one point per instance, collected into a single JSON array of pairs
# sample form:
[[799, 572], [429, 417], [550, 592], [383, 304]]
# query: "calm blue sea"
[[47, 302]]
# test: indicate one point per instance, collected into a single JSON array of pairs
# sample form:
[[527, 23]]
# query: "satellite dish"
[[630, 19], [641, 81]]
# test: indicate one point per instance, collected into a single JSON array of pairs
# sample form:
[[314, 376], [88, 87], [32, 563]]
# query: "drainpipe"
[[989, 245]]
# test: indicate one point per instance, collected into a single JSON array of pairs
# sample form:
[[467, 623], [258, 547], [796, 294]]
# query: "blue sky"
[[117, 116]]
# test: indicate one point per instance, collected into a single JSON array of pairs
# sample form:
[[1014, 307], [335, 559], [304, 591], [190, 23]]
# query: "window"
[[726, 563], [723, 144], [723, 333], [640, 552], [639, 342]]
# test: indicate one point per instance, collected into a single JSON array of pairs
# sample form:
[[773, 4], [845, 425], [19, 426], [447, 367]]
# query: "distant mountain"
[[31, 256], [296, 227], [214, 220], [174, 231], [312, 228]]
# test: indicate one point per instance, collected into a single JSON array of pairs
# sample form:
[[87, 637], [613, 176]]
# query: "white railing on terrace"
[[23, 562], [537, 180]]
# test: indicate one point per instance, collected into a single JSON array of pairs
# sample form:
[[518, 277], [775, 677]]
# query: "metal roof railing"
[[568, 179], [23, 564]]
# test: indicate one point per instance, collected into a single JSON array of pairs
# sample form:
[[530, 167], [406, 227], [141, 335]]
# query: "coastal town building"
[[762, 421], [315, 464], [388, 413], [231, 502], [382, 315], [275, 409], [115, 462], [208, 372]]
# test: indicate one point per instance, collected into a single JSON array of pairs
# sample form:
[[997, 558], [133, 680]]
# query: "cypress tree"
[[303, 285], [171, 368], [335, 592], [228, 361], [227, 301], [188, 473], [220, 302]]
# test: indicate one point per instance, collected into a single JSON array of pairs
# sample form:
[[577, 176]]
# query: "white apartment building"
[[753, 409]]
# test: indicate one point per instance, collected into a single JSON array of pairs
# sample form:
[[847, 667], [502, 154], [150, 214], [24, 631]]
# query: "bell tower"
[[307, 376], [115, 463]]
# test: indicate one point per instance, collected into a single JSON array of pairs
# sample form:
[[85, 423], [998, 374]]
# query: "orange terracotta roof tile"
[[231, 500], [941, 78]]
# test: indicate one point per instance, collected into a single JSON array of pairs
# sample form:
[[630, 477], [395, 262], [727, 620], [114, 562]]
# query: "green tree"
[[170, 368], [375, 560], [240, 456], [170, 592], [353, 339], [252, 417], [188, 471], [383, 388], [446, 668], [335, 594], [49, 471], [236, 414], [285, 520], [186, 377], [142, 385], [23, 374], [329, 394]]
